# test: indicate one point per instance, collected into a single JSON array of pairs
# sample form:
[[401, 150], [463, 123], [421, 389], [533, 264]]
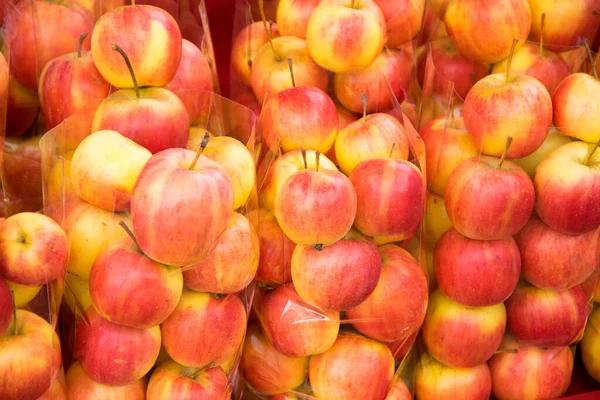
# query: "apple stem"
[[542, 23], [318, 247], [261, 7], [392, 149], [510, 56], [16, 330], [304, 157], [290, 64], [317, 158], [130, 67], [129, 233], [364, 104], [589, 157], [591, 57], [508, 143], [203, 145], [80, 44]]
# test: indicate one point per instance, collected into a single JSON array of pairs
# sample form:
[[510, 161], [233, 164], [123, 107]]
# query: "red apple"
[[344, 34], [476, 273], [22, 175], [204, 329], [292, 16], [546, 318], [81, 387], [391, 197], [246, 46], [6, 306], [296, 328], [403, 19], [590, 345], [267, 370], [114, 354], [397, 306], [488, 199], [337, 277], [276, 249], [520, 371], [461, 336], [231, 263], [192, 216], [173, 381], [355, 367], [148, 35], [22, 106]]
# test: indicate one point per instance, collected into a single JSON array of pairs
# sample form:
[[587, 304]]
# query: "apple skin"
[[296, 328], [565, 189], [343, 35], [173, 381], [436, 381], [157, 120], [547, 67], [530, 372], [204, 329], [22, 172], [148, 35], [477, 193], [399, 391], [397, 306], [22, 106], [292, 16], [271, 72], [66, 85], [390, 196], [246, 46], [590, 345], [554, 140], [376, 136], [340, 276], [23, 294], [35, 41], [436, 219], [114, 354], [391, 68], [6, 306], [461, 336], [555, 261], [355, 367], [316, 207], [104, 169], [576, 107], [403, 19], [57, 389], [36, 340], [496, 109], [208, 188], [302, 116], [276, 249], [267, 370], [447, 144], [546, 318], [230, 264], [80, 386], [484, 32], [33, 249], [400, 348], [476, 273]]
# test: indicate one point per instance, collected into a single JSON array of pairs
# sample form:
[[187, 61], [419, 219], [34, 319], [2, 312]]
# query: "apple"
[[22, 106], [33, 249], [383, 81], [23, 294], [521, 371], [248, 100], [391, 198], [447, 144], [267, 370], [292, 16], [77, 294], [296, 328], [339, 276], [590, 345], [67, 83], [299, 117], [461, 336], [488, 198], [22, 175], [316, 207], [399, 391], [270, 73], [6, 306], [36, 33], [276, 249], [192, 216], [397, 306], [436, 219], [246, 46], [476, 273], [546, 318], [231, 262], [403, 19], [484, 33], [204, 329], [565, 183], [451, 66], [57, 389], [373, 136], [173, 381], [29, 357], [554, 140], [154, 56], [355, 367], [104, 169], [435, 381], [80, 386], [345, 34], [114, 354]]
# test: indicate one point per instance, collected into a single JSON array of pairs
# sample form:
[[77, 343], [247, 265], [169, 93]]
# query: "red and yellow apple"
[[554, 140], [80, 386], [276, 249], [403, 19], [590, 345], [22, 106], [292, 16], [246, 46], [171, 381]]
